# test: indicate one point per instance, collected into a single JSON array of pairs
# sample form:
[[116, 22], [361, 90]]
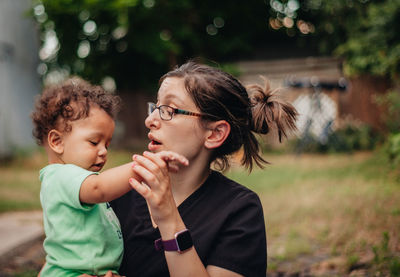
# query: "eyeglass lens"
[[150, 108], [165, 112]]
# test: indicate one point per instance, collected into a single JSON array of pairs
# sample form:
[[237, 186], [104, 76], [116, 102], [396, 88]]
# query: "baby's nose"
[[103, 151]]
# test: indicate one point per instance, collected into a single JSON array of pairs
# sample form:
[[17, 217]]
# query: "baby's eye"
[[93, 142]]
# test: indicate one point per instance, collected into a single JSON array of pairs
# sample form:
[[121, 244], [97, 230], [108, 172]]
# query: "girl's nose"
[[153, 120]]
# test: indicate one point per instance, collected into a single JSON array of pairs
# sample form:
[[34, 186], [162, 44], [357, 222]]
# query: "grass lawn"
[[331, 214]]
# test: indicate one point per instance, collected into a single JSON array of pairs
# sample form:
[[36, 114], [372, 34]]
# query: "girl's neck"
[[188, 180]]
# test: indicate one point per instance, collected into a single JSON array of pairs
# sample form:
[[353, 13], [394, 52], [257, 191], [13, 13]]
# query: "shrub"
[[393, 152], [391, 102], [351, 137]]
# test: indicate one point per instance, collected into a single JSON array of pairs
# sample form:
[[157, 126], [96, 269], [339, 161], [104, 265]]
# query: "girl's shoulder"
[[223, 187], [223, 182]]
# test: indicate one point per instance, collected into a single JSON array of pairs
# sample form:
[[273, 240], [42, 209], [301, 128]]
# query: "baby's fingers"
[[170, 156]]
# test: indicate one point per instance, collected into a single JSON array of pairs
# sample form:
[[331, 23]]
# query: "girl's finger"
[[153, 179], [142, 189], [155, 167]]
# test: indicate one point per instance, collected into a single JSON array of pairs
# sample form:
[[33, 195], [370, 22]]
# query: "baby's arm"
[[113, 183]]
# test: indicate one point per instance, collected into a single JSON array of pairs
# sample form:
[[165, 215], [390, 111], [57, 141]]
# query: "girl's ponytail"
[[270, 112]]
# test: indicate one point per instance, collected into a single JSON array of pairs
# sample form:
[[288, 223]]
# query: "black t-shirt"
[[225, 220]]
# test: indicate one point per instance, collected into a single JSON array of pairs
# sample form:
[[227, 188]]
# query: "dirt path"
[[27, 262]]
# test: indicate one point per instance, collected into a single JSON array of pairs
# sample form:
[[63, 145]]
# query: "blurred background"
[[331, 194]]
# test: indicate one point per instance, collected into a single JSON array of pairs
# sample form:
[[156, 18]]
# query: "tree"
[[363, 32], [135, 42]]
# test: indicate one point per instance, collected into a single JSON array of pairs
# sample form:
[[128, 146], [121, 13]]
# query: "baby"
[[74, 122]]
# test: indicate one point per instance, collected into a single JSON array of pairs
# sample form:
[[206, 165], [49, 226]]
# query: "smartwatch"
[[181, 242]]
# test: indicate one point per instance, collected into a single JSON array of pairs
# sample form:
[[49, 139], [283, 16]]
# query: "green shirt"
[[80, 238]]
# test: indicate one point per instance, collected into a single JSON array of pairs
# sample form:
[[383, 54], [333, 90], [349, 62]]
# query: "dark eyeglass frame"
[[151, 107]]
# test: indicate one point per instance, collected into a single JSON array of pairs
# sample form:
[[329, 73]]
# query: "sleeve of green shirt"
[[64, 183]]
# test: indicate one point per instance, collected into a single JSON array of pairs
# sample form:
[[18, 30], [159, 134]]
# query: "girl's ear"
[[55, 141], [217, 133]]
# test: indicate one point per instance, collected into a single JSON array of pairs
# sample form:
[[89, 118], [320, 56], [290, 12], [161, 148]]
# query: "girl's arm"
[[113, 183], [158, 194]]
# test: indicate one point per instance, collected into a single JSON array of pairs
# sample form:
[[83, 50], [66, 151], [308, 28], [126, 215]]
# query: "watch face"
[[184, 241]]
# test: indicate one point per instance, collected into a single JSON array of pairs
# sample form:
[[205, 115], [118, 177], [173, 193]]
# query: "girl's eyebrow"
[[171, 97]]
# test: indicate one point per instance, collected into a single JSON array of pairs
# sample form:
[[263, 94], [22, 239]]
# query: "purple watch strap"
[[181, 242], [168, 245]]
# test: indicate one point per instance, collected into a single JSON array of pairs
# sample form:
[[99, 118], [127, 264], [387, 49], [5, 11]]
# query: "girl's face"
[[183, 134]]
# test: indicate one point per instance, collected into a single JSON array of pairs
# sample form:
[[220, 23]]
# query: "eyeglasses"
[[167, 112]]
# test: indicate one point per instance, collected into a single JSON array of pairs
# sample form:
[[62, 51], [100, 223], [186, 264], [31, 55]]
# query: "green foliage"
[[136, 41], [313, 20], [363, 32], [393, 152], [353, 138], [373, 43], [26, 273], [349, 138], [394, 148], [352, 260], [384, 259], [391, 103]]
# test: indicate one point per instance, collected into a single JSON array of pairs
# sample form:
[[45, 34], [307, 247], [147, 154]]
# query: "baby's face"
[[86, 144]]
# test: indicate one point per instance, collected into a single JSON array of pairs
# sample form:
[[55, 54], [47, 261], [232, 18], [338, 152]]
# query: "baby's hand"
[[173, 159]]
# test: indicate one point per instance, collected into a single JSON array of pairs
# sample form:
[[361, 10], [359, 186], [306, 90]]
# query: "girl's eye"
[[94, 143]]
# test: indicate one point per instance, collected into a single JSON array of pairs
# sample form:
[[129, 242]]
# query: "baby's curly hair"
[[67, 102]]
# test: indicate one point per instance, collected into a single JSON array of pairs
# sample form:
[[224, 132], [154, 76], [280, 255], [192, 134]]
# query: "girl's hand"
[[153, 169]]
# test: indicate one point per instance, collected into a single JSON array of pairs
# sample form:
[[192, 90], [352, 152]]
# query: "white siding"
[[19, 82]]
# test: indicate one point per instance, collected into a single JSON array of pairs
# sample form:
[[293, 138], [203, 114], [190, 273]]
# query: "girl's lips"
[[154, 145]]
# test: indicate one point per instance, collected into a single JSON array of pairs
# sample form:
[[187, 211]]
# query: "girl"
[[197, 222]]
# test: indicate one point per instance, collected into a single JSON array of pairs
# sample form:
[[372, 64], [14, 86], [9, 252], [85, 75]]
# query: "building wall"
[[357, 102], [336, 106], [361, 100], [19, 82]]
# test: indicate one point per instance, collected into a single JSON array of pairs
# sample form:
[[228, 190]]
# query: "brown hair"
[[69, 101], [222, 96]]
